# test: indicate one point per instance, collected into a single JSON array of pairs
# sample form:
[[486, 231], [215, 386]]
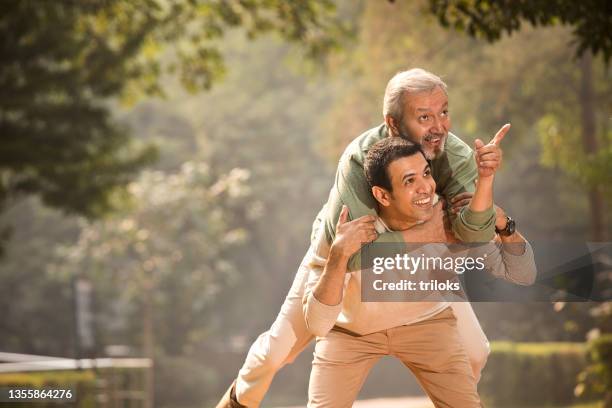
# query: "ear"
[[391, 125], [381, 195]]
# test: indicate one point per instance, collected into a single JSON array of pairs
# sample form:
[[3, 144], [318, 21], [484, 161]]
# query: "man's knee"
[[276, 360], [478, 358], [273, 349], [281, 344]]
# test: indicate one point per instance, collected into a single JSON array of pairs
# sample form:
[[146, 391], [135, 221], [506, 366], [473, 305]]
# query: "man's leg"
[[473, 338], [280, 345], [433, 350], [341, 364], [285, 340]]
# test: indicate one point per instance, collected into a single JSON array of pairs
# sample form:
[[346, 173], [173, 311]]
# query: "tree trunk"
[[589, 140]]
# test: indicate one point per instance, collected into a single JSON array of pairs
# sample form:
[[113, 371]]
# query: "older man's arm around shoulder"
[[324, 291]]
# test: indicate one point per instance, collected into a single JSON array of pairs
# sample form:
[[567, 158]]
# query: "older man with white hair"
[[415, 108]]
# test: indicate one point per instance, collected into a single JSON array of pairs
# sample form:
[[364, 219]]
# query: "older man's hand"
[[489, 156], [459, 201]]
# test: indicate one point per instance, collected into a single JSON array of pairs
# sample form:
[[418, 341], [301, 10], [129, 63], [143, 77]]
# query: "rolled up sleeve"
[[518, 269], [319, 317]]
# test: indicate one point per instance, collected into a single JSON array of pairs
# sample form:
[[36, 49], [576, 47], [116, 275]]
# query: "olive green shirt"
[[454, 172]]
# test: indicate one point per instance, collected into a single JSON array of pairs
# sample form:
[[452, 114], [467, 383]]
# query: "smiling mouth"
[[431, 139], [423, 202]]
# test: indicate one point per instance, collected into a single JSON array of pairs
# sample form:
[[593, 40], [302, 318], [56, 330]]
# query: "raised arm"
[[513, 260], [324, 289], [483, 196]]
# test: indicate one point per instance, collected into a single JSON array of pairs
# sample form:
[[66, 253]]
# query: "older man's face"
[[426, 121]]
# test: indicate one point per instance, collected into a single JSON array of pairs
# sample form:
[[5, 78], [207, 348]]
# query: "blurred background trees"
[[176, 153], [62, 61]]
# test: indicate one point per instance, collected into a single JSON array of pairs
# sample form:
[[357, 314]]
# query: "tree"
[[267, 126], [164, 262], [61, 61], [234, 125], [591, 19], [171, 248]]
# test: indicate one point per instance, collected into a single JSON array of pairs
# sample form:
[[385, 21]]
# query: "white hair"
[[413, 81]]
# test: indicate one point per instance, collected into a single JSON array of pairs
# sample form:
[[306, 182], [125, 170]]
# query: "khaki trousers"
[[288, 336], [432, 349]]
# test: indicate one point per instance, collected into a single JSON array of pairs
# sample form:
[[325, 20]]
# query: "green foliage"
[[237, 251], [532, 374], [61, 60], [538, 349], [591, 19], [269, 127], [45, 378], [58, 139], [89, 386], [173, 246], [596, 378], [563, 148]]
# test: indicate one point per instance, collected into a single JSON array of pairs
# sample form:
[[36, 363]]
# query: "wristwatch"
[[510, 227]]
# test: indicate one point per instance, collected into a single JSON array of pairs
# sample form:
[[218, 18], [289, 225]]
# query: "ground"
[[404, 402]]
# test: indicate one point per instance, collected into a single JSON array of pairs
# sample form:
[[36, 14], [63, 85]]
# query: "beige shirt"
[[368, 317]]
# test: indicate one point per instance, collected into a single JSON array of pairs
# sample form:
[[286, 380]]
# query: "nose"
[[439, 125], [424, 187], [436, 125]]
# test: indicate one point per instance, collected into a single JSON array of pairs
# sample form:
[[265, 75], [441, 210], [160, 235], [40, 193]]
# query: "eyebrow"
[[428, 109], [407, 175]]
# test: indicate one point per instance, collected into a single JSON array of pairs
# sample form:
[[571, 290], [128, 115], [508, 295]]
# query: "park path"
[[405, 402]]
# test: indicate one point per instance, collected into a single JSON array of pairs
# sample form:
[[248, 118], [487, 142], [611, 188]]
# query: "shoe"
[[229, 398]]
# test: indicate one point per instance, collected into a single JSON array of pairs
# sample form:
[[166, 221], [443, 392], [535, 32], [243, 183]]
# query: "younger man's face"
[[413, 188]]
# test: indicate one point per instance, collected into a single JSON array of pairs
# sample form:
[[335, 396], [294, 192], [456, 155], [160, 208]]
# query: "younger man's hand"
[[351, 235]]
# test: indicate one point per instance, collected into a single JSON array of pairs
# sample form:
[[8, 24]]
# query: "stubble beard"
[[430, 153], [433, 153]]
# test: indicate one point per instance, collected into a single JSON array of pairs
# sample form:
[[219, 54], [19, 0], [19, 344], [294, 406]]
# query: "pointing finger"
[[500, 134]]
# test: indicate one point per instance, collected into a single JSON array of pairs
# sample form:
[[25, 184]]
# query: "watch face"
[[510, 227]]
